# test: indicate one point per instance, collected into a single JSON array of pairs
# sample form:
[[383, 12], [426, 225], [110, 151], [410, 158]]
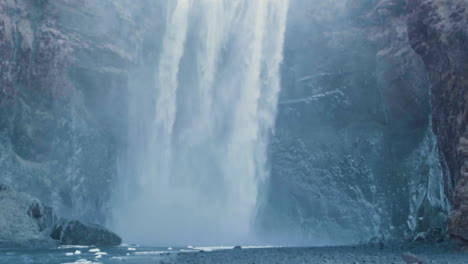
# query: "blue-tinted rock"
[[74, 232], [24, 221]]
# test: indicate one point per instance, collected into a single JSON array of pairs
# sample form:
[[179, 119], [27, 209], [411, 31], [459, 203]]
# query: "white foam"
[[82, 261], [72, 246]]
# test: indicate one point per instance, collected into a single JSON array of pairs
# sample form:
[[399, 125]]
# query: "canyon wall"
[[371, 130], [62, 100], [439, 34], [353, 155]]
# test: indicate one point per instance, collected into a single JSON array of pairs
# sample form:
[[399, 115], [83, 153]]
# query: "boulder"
[[73, 232]]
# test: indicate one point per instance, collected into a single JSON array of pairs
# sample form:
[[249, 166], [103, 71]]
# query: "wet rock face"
[[77, 233], [352, 142], [439, 34], [24, 221], [62, 102], [43, 215]]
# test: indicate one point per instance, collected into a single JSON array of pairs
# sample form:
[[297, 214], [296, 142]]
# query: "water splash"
[[197, 156]]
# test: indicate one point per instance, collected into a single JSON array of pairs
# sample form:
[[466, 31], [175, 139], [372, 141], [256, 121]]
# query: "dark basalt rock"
[[4, 187], [43, 215], [74, 232], [438, 33]]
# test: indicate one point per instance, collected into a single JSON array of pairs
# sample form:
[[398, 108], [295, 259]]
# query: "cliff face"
[[62, 100], [353, 144], [439, 34]]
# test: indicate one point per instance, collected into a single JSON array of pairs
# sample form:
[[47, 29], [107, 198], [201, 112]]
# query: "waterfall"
[[197, 151]]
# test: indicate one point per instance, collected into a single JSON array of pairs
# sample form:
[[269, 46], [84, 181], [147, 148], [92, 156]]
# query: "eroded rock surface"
[[62, 85], [439, 34], [24, 221]]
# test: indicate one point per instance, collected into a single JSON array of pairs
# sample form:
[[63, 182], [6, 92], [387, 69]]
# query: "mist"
[[199, 125]]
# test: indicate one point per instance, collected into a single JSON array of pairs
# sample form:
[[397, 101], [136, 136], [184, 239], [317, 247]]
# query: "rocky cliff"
[[439, 34], [353, 144], [62, 100]]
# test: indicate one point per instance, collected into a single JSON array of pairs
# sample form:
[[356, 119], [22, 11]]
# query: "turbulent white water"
[[197, 154]]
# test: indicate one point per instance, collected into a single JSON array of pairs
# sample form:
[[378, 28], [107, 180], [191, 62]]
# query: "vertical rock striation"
[[62, 99], [439, 34], [353, 145]]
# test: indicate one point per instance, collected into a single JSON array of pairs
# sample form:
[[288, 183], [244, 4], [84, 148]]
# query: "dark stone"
[[237, 247], [57, 229], [77, 233], [43, 215], [35, 209], [445, 55], [4, 188]]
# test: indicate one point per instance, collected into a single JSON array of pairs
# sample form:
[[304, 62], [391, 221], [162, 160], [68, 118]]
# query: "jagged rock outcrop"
[[439, 34], [24, 221]]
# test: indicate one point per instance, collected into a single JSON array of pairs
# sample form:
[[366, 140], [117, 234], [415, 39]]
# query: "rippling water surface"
[[227, 255]]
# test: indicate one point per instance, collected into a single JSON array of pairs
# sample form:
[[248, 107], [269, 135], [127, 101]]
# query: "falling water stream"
[[198, 152]]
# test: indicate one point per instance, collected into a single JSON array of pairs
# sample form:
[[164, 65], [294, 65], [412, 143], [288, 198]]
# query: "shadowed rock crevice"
[[439, 34]]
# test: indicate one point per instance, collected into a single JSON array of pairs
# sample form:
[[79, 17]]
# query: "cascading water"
[[197, 148]]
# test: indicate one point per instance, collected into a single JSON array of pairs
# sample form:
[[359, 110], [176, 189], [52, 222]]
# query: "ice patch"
[[131, 249], [94, 250], [77, 252], [72, 246], [82, 261]]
